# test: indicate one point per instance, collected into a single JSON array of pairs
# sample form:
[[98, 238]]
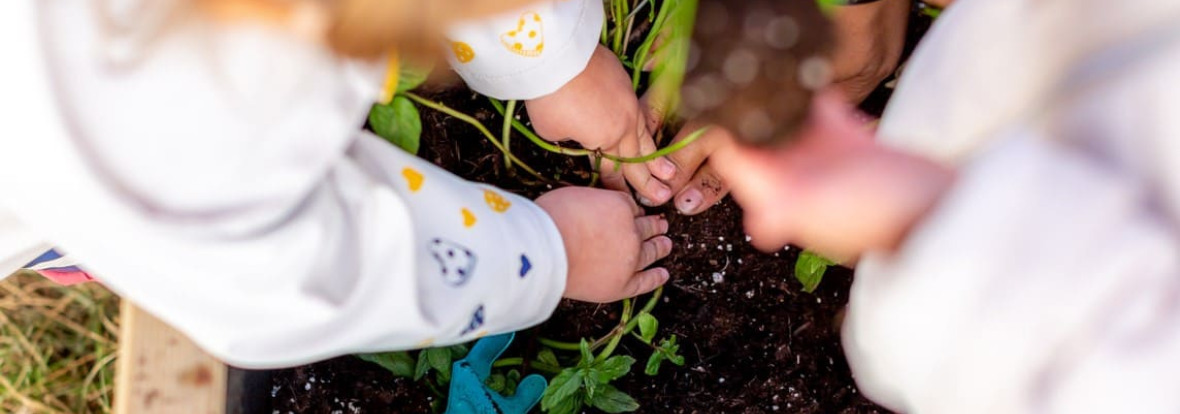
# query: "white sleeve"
[[526, 53], [18, 244], [1046, 281], [230, 192]]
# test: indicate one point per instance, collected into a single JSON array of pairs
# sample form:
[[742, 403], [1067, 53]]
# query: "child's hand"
[[609, 243], [599, 110], [835, 190]]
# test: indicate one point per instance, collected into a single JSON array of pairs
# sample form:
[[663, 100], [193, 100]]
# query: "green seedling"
[[810, 269], [581, 374], [398, 120]]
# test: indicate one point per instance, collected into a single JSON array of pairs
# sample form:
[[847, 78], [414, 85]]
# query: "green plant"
[[810, 269], [398, 120], [581, 373]]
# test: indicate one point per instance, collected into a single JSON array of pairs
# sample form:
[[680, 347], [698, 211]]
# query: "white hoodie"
[[217, 176], [1048, 279]]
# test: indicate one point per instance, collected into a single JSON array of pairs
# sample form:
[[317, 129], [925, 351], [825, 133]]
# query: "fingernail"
[[664, 276], [689, 201], [663, 226], [663, 193], [666, 169], [643, 200]]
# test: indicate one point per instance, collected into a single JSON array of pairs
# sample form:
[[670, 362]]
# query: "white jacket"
[[216, 175], [1048, 279]]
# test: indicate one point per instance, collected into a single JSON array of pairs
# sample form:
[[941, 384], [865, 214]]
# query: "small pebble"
[[721, 380], [718, 277], [750, 294], [307, 386], [729, 247], [748, 239], [720, 239]]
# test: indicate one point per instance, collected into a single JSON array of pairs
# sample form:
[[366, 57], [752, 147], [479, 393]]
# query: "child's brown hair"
[[755, 64]]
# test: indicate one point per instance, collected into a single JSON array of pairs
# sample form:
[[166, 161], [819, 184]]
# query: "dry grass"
[[57, 346]]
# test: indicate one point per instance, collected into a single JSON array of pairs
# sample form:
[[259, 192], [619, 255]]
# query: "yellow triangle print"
[[468, 218], [528, 39], [463, 52], [496, 201], [413, 178]]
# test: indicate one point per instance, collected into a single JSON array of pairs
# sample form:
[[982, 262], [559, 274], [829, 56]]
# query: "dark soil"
[[753, 341]]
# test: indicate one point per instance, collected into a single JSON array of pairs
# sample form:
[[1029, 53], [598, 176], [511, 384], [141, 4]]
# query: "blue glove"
[[469, 395]]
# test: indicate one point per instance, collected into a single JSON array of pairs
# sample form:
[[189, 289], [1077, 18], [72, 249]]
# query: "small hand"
[[869, 41], [608, 242], [599, 110], [835, 190]]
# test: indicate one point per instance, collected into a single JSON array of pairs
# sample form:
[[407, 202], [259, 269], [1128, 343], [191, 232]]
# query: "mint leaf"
[[399, 363], [439, 359], [398, 122], [547, 357], [648, 325], [587, 356], [653, 363], [611, 400], [410, 76], [810, 269], [613, 368], [561, 388]]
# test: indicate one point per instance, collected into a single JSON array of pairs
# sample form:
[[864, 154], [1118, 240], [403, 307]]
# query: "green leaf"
[[398, 122], [496, 382], [423, 367], [457, 351], [547, 357], [587, 356], [411, 75], [611, 400], [510, 382], [810, 269], [653, 363], [562, 387], [669, 348], [571, 405], [648, 325], [613, 368], [439, 360], [399, 363]]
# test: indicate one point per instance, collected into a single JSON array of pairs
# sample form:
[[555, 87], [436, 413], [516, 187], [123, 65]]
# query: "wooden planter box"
[[162, 371]]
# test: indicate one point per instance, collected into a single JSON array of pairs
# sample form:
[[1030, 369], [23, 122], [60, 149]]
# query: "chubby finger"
[[650, 191], [704, 190], [689, 159], [653, 250], [636, 211], [611, 176], [660, 167], [645, 281], [651, 226]]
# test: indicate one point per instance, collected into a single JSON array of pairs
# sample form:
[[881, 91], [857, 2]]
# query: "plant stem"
[[532, 136], [438, 106], [564, 346], [617, 334], [514, 361], [506, 132]]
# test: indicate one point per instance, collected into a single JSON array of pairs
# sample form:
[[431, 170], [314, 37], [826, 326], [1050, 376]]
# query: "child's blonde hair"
[[354, 28]]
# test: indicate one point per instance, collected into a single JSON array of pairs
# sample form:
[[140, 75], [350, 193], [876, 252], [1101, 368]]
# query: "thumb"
[[760, 180]]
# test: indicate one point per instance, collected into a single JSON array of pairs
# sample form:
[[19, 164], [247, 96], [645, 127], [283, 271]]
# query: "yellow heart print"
[[496, 201], [528, 39]]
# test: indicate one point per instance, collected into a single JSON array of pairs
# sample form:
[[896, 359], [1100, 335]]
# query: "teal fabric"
[[469, 395]]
